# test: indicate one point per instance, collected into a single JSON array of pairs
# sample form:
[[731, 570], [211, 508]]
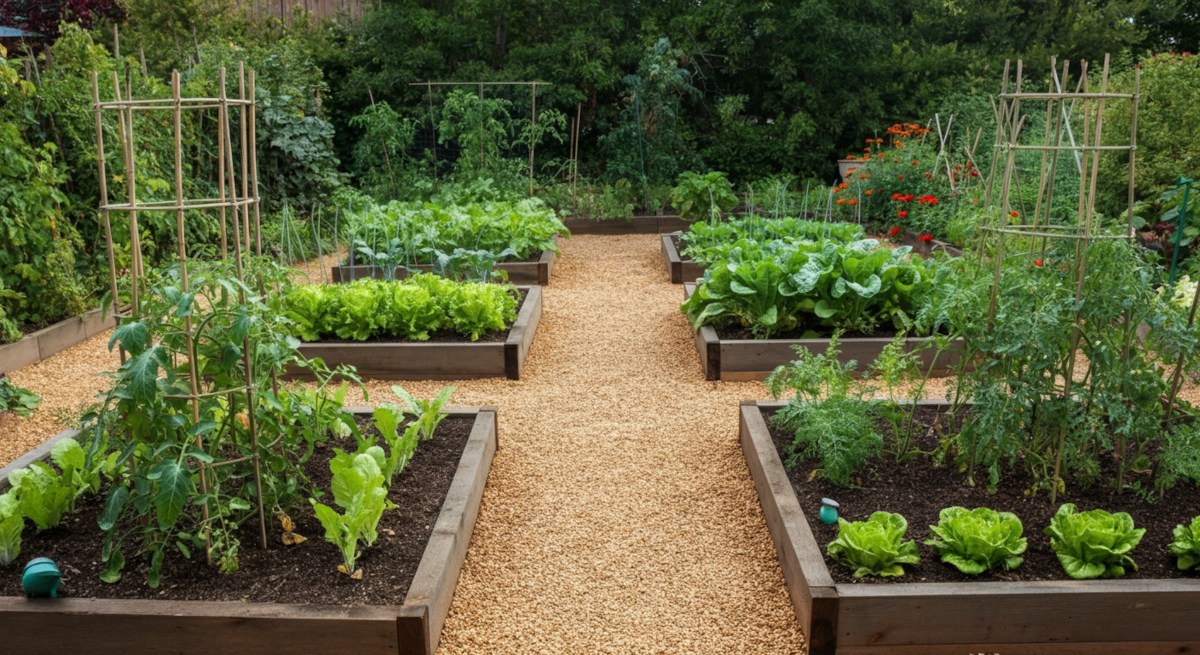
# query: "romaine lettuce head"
[[1093, 544], [875, 546], [974, 541]]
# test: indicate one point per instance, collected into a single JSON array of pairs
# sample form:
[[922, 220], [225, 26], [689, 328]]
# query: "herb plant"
[[1186, 547], [974, 541], [1094, 544], [875, 546]]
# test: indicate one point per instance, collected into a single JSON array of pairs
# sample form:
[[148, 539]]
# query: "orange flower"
[[895, 161], [841, 201], [1015, 214], [868, 192], [880, 155], [901, 177], [914, 162], [853, 202], [975, 200]]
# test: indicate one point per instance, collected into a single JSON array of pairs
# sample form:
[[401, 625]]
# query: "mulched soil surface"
[[445, 336], [919, 491], [302, 574]]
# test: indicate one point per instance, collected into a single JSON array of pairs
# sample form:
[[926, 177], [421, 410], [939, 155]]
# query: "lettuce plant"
[[358, 488], [1093, 544], [12, 523], [875, 546], [1186, 546], [44, 494], [22, 402], [974, 541], [427, 413]]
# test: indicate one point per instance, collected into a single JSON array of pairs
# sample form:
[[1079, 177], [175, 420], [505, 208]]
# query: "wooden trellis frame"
[[239, 202]]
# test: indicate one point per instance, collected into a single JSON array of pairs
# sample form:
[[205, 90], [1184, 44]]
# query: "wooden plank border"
[[436, 361], [680, 270], [53, 339], [638, 225], [525, 273], [1079, 617], [112, 626], [755, 359]]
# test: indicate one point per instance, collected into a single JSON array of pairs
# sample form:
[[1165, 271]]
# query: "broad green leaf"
[[174, 486]]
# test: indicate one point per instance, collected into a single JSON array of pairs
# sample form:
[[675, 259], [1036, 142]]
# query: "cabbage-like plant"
[[1093, 544], [1186, 546], [875, 546], [976, 540]]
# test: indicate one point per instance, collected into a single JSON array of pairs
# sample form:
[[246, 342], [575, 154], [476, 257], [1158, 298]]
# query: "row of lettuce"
[[1089, 545]]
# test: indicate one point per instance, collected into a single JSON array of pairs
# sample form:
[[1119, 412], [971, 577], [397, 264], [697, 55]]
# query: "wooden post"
[[102, 176], [532, 134], [433, 130], [245, 154], [253, 145], [578, 123], [222, 116], [481, 127]]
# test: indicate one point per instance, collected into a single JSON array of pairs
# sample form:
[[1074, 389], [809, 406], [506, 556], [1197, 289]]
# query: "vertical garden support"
[[126, 109]]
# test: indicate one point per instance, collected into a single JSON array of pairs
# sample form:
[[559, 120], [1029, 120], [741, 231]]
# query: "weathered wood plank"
[[95, 322], [117, 627], [19, 354], [1019, 612], [520, 337], [518, 272], [38, 454], [437, 574], [60, 336], [814, 597]]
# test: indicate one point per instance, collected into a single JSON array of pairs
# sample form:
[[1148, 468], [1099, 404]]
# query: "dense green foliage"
[[708, 242], [706, 196], [413, 308], [1093, 544], [974, 541], [875, 546], [21, 402], [1186, 546]]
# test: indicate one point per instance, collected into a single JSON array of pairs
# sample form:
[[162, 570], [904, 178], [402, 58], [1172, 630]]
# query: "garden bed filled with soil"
[[679, 269], [935, 609], [536, 271], [43, 343], [728, 357], [639, 224], [445, 356], [401, 602]]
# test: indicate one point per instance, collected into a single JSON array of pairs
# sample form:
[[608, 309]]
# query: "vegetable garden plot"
[[1077, 616], [53, 339], [411, 622], [536, 271], [454, 358], [755, 359]]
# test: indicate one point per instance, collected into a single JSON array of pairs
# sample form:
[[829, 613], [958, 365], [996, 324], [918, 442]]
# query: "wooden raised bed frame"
[[435, 361], [1077, 617], [679, 269], [58, 337], [100, 626], [755, 359], [638, 225], [535, 272]]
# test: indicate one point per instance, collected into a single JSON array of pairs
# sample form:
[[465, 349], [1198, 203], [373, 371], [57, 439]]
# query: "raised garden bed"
[[452, 360], [755, 359], [638, 225], [56, 338], [679, 269], [531, 272], [102, 626], [1019, 617]]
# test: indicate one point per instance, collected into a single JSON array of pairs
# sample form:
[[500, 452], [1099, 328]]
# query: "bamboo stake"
[[578, 127], [130, 190], [193, 371], [433, 131], [253, 145], [102, 176], [242, 147], [222, 116], [532, 132]]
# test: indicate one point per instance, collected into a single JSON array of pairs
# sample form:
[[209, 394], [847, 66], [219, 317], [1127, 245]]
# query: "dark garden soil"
[[919, 491], [442, 336], [302, 574]]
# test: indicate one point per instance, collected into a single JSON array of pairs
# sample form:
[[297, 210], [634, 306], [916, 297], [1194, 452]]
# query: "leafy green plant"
[[12, 524], [412, 308], [22, 402], [831, 414], [974, 541], [1093, 544], [358, 488], [45, 495], [875, 546], [703, 195], [1186, 546], [426, 413], [400, 446], [709, 241]]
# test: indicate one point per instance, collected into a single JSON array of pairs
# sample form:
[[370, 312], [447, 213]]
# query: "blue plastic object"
[[41, 578], [829, 514]]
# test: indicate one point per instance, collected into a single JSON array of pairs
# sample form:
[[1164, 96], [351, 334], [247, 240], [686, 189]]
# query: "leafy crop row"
[[778, 287], [708, 242], [411, 309]]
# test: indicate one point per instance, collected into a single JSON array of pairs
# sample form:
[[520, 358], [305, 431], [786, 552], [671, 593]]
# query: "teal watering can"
[[41, 578]]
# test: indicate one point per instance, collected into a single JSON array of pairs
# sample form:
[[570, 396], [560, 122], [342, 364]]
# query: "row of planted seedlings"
[[1063, 413], [202, 475]]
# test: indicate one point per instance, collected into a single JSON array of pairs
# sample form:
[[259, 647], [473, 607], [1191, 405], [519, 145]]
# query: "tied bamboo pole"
[[222, 116], [532, 133], [253, 145], [102, 176], [193, 372], [244, 149]]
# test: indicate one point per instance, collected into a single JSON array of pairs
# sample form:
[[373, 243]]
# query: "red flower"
[[974, 173], [1014, 214], [841, 201], [900, 177], [853, 202], [929, 176], [896, 196], [914, 162], [1037, 262], [903, 214], [895, 230], [927, 237]]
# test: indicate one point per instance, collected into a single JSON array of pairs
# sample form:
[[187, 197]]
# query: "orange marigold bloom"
[[841, 201], [914, 162], [853, 202], [868, 192]]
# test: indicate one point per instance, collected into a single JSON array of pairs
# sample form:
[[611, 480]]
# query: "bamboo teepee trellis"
[[242, 203]]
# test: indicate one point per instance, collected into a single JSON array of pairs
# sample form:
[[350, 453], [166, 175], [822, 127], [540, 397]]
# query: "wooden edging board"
[[465, 360], [637, 225], [755, 359], [679, 269], [1079, 617], [53, 339], [531, 273], [100, 626]]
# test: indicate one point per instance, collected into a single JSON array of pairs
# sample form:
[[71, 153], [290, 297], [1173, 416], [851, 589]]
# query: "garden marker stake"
[[1186, 183]]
